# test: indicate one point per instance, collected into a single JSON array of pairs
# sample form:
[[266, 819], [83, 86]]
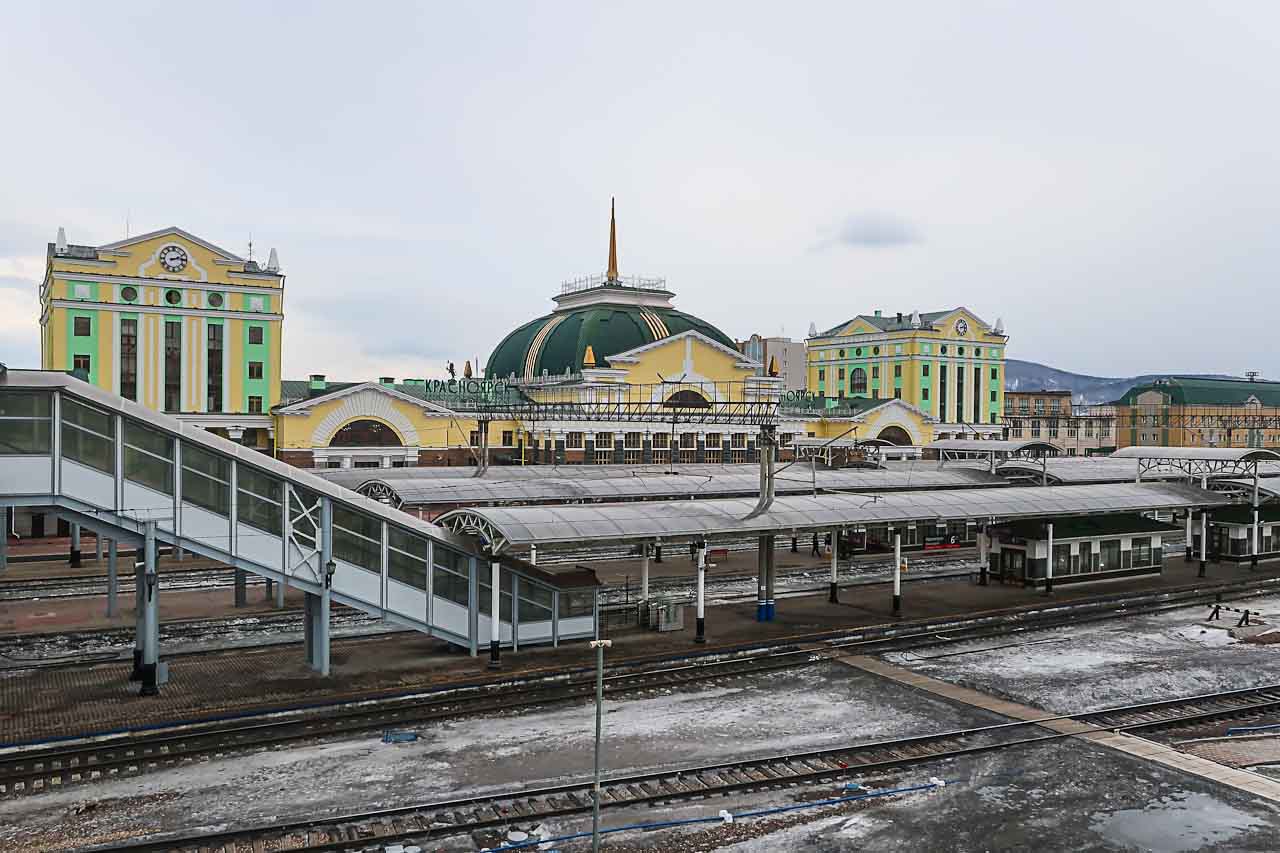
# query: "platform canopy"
[[503, 528], [1074, 470], [1210, 454], [565, 485], [1003, 446], [1199, 461]]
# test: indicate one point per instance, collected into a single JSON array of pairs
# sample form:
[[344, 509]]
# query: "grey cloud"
[[871, 230]]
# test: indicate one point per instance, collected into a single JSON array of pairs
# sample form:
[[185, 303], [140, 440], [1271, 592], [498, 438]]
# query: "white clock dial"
[[962, 327], [173, 258]]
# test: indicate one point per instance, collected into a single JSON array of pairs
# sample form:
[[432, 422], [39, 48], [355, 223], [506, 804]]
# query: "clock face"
[[962, 327], [173, 258]]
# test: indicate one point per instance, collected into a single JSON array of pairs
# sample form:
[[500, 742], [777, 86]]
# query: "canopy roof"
[[505, 527], [993, 445], [1208, 454]]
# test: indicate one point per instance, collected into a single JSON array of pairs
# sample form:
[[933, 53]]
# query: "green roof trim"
[[607, 328], [1121, 524], [1200, 391]]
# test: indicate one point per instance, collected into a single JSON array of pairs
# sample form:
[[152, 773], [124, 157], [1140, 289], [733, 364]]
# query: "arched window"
[[895, 435], [858, 381], [365, 433], [687, 399]]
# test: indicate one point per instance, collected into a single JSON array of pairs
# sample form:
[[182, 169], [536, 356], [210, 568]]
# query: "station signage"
[[480, 387]]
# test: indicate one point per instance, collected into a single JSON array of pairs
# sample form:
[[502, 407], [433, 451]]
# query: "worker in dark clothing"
[[817, 551]]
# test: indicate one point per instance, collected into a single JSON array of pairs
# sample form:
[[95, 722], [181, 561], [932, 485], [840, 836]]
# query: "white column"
[[533, 555], [700, 637], [644, 573], [833, 597], [897, 574], [495, 613], [1048, 576]]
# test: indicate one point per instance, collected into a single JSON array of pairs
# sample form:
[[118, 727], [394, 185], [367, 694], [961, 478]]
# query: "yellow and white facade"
[[948, 365], [172, 322]]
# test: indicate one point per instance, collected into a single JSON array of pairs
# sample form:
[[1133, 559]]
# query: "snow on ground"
[[1116, 662], [750, 715]]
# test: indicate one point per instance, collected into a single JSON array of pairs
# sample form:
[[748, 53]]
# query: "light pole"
[[599, 646]]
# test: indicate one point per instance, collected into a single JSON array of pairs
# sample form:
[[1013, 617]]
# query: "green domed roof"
[[560, 339]]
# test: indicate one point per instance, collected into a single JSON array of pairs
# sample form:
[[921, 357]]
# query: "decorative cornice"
[[147, 281], [177, 310]]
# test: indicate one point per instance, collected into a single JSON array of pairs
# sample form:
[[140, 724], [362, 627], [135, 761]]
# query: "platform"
[[40, 704]]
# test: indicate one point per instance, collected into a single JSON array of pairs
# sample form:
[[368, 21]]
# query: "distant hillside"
[[1029, 376]]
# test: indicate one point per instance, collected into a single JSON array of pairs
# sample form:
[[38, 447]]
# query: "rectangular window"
[[604, 441], [924, 393], [661, 440], [840, 375], [449, 578], [924, 370], [1109, 555], [977, 395], [25, 423], [81, 362], [535, 602], [258, 500], [83, 328], [508, 436], [485, 592], [357, 538], [255, 370], [822, 374], [213, 370], [407, 558], [148, 457], [993, 395], [739, 440], [573, 441], [603, 457], [577, 603], [897, 393], [713, 440], [255, 405], [1035, 428], [129, 359], [88, 436], [942, 392], [206, 479], [633, 440], [474, 438], [875, 371], [995, 373], [689, 440], [1142, 551], [632, 457], [255, 334], [172, 365]]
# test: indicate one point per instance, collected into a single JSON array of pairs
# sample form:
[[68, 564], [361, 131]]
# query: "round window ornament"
[[129, 293], [215, 300], [173, 297]]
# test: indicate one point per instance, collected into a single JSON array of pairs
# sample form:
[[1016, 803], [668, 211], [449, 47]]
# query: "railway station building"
[[1084, 549]]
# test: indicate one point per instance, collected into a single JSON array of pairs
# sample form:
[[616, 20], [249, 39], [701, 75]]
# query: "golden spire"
[[589, 357], [612, 274], [466, 370], [773, 365]]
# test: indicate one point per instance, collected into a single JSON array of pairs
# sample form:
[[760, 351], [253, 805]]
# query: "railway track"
[[30, 769], [482, 816]]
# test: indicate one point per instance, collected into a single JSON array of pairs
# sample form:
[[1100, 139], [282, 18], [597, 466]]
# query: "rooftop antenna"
[[612, 273], [251, 245], [126, 224]]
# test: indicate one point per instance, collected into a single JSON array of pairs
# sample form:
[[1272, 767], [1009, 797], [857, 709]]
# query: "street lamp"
[[599, 646], [329, 569]]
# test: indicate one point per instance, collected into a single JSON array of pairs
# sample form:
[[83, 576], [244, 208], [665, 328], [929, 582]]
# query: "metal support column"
[[1257, 526], [151, 675], [113, 578], [1190, 513], [835, 551], [644, 571], [97, 548], [657, 551], [762, 580], [1204, 539], [1048, 574], [701, 636], [75, 545], [280, 588], [495, 613], [897, 574], [139, 613], [271, 589], [241, 580], [984, 555], [4, 541], [533, 555], [771, 577], [318, 649]]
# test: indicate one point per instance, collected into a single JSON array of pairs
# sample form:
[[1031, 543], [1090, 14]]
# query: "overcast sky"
[[1101, 175]]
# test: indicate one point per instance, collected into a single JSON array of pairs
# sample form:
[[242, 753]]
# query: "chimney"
[[60, 246], [317, 384], [387, 381], [899, 318]]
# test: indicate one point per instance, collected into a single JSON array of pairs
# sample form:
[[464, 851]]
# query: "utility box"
[[670, 617]]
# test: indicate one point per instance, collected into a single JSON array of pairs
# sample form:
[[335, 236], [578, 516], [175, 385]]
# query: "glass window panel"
[[202, 461], [357, 550], [536, 593], [577, 602], [357, 522], [407, 542], [87, 418], [452, 560], [450, 586], [407, 569], [25, 404], [145, 438], [88, 448], [262, 485], [260, 513], [25, 436], [148, 470], [213, 495], [531, 612], [486, 602]]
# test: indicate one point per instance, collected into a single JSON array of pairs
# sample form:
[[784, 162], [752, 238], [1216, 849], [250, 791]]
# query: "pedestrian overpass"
[[139, 477]]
